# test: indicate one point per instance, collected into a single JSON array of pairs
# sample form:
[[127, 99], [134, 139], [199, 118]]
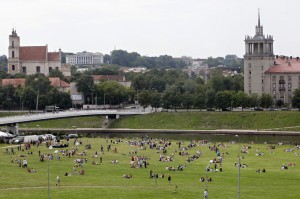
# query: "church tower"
[[13, 53], [258, 58]]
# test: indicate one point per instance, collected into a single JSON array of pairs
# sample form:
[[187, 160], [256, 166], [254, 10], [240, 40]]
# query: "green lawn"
[[276, 120], [106, 181], [68, 123]]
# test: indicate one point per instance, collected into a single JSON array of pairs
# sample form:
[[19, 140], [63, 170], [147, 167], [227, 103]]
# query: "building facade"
[[31, 59], [85, 58], [266, 73]]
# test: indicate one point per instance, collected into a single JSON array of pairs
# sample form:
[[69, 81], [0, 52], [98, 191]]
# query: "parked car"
[[258, 109], [17, 140], [226, 109], [210, 109], [72, 136], [273, 109], [285, 109]]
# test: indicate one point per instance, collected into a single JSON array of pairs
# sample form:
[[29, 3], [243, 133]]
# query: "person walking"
[[205, 194], [57, 180]]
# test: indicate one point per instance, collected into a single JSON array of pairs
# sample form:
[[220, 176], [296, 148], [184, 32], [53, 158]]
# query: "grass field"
[[105, 180], [273, 120], [79, 122]]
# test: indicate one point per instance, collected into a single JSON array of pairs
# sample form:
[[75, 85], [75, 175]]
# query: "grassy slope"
[[79, 122], [105, 180], [211, 120]]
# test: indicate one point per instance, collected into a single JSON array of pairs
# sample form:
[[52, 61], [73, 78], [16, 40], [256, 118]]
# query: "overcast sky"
[[196, 28]]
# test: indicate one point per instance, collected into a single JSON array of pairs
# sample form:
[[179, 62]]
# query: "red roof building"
[[31, 59]]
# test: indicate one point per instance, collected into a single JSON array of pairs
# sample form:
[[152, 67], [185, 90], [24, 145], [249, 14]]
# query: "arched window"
[[13, 54], [13, 67]]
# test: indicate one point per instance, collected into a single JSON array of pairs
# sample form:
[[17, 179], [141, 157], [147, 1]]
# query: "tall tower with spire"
[[258, 58], [13, 53]]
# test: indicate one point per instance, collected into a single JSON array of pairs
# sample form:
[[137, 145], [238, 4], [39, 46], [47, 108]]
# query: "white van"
[[31, 138]]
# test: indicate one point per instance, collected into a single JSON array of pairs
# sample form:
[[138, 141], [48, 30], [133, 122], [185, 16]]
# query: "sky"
[[195, 28]]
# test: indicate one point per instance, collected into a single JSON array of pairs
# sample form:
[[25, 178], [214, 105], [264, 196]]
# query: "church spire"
[[258, 18], [259, 28]]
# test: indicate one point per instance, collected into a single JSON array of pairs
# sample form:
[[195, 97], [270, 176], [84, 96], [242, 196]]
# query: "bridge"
[[12, 122]]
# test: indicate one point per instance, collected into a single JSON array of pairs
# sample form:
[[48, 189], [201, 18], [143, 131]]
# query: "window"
[[289, 78], [274, 92], [274, 85], [262, 67], [13, 54], [274, 78], [249, 72], [281, 77], [290, 93], [289, 85], [249, 91], [24, 69], [262, 88], [250, 85], [12, 43], [249, 65], [13, 67], [38, 69], [50, 69], [262, 81]]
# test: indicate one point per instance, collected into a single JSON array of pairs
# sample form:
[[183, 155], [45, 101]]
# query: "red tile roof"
[[57, 82], [33, 53], [285, 65], [118, 78], [14, 82], [53, 56]]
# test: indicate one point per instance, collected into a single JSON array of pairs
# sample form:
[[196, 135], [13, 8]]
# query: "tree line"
[[37, 91], [134, 59]]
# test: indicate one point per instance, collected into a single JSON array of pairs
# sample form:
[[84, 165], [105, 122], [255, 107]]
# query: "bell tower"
[[13, 53], [258, 58]]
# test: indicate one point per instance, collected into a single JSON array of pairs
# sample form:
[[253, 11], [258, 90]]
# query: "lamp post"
[[239, 166], [206, 182], [75, 129]]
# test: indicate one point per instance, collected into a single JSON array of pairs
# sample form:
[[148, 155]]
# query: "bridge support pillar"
[[117, 116], [13, 128]]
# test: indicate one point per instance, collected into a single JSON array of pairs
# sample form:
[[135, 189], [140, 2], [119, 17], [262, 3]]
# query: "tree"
[[296, 99], [85, 84], [155, 101], [254, 100], [39, 82], [144, 98], [279, 103], [210, 96], [187, 100], [240, 99], [266, 100], [56, 73], [199, 100], [223, 99], [29, 97]]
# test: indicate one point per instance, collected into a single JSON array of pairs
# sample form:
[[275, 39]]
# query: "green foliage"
[[296, 99], [123, 58], [266, 100]]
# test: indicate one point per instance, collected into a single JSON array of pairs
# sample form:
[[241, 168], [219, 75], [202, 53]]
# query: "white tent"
[[6, 135]]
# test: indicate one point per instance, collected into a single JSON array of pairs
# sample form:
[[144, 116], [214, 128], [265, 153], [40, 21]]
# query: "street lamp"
[[206, 182], [239, 166], [75, 129]]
